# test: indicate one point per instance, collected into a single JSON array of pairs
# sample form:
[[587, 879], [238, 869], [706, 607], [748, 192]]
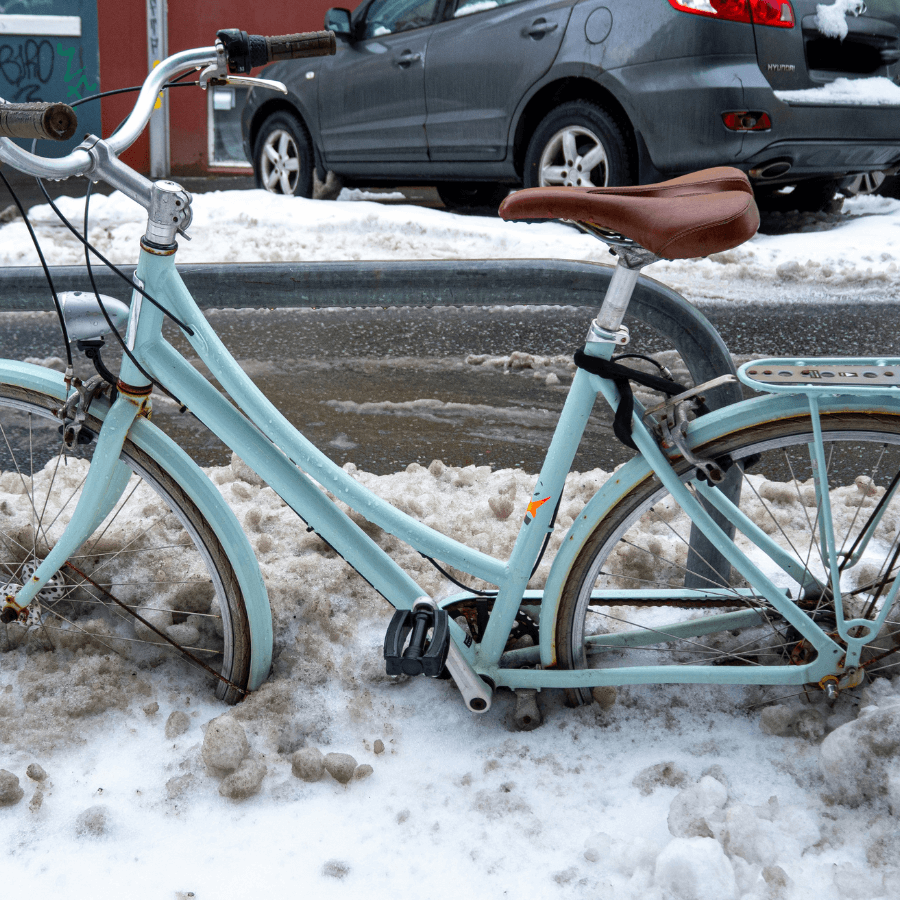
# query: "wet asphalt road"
[[354, 380]]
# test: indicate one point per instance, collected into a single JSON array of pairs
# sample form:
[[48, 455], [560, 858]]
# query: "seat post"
[[617, 298], [608, 327]]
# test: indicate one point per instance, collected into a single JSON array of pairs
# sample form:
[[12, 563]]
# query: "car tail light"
[[777, 13], [746, 120], [731, 10]]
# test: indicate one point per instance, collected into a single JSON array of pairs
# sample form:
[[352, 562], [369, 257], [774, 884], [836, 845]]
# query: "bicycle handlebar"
[[49, 121], [247, 51], [79, 162]]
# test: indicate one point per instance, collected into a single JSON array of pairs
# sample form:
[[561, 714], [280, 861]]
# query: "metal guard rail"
[[528, 282], [471, 282]]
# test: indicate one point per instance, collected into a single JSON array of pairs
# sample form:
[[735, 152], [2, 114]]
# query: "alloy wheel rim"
[[574, 157], [280, 163], [866, 183]]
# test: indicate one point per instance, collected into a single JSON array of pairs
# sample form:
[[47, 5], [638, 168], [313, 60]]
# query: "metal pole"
[[157, 50]]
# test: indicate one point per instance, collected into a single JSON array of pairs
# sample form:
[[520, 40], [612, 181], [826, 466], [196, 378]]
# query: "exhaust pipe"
[[769, 170]]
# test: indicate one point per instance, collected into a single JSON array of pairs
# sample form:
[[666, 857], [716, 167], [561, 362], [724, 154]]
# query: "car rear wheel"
[[578, 144], [864, 183], [468, 195], [812, 195], [283, 160], [882, 183]]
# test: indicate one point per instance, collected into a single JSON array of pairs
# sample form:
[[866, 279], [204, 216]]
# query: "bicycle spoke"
[[49, 486], [64, 506], [773, 517], [859, 506], [118, 637], [112, 519], [24, 486]]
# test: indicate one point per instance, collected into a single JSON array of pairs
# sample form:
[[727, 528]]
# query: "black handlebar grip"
[[248, 51], [298, 46], [49, 121]]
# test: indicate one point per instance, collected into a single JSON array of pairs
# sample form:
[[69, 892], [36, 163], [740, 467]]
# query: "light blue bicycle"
[[754, 545]]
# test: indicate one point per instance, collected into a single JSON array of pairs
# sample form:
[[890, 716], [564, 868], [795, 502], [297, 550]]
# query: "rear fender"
[[716, 424]]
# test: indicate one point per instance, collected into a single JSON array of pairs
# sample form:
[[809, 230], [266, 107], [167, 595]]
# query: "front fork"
[[103, 487]]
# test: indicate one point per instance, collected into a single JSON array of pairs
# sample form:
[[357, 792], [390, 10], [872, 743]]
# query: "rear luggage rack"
[[820, 374]]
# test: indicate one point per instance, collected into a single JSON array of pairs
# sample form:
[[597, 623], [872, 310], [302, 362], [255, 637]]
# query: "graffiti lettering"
[[74, 75], [27, 66], [153, 27]]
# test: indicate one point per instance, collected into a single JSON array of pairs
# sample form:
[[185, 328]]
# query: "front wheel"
[[155, 554], [643, 543], [283, 158], [578, 145]]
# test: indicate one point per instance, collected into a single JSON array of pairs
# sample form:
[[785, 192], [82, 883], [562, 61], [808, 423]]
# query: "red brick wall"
[[123, 55]]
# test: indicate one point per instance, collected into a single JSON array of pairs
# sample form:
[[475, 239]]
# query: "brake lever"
[[216, 79], [256, 82], [217, 75]]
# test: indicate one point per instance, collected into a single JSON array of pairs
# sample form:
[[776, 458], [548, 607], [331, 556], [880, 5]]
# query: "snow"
[[858, 246], [475, 6], [677, 792], [669, 793], [875, 91], [832, 20]]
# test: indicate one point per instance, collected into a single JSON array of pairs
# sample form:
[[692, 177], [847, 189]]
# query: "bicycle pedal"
[[421, 655]]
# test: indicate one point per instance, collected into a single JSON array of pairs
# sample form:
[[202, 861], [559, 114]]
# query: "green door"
[[49, 51]]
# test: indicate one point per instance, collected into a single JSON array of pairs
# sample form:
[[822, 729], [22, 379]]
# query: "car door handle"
[[407, 58], [538, 28]]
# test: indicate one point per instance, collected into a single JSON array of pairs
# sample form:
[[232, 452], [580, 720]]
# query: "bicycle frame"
[[299, 472], [295, 469]]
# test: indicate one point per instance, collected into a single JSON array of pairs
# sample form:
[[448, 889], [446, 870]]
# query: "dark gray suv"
[[478, 96]]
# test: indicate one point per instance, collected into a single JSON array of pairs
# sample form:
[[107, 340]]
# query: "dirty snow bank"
[[128, 776], [856, 247]]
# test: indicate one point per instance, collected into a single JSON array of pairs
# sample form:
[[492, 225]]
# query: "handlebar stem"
[[106, 166], [168, 205]]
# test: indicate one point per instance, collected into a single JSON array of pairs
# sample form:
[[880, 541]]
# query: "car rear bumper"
[[782, 162], [822, 140], [672, 98]]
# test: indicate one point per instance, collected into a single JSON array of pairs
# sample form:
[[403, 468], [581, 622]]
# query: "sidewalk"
[[30, 194]]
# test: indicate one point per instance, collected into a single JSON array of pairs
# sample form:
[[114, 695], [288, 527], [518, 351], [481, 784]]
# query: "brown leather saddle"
[[690, 216]]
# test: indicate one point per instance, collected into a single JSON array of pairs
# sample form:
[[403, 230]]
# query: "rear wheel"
[[864, 183], [578, 144], [644, 544], [283, 159], [155, 553]]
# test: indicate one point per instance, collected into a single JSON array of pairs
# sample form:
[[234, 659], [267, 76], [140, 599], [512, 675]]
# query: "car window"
[[467, 7], [389, 16]]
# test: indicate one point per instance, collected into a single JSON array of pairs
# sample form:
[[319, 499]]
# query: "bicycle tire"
[[201, 593], [642, 543]]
